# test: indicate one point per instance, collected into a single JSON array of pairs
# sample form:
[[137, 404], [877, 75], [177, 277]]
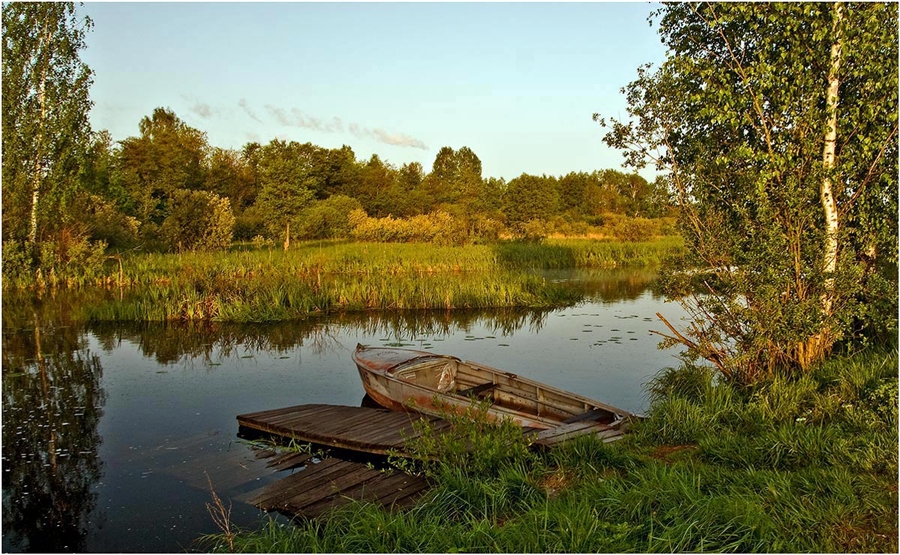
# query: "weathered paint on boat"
[[410, 380]]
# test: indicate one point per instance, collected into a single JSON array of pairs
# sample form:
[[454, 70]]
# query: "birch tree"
[[45, 113], [777, 125]]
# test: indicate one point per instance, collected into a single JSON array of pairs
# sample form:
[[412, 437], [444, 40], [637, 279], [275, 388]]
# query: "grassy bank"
[[271, 285], [792, 465]]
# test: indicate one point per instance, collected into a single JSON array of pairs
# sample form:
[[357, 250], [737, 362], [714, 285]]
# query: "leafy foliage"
[[45, 117], [737, 115], [198, 221], [328, 218]]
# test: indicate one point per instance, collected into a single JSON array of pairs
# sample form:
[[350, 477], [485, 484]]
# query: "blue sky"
[[516, 83]]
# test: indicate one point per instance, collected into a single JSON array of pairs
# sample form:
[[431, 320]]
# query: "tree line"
[[163, 186], [168, 189], [68, 188]]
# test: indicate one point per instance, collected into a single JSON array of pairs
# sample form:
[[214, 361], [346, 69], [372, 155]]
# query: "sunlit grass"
[[261, 285], [792, 465]]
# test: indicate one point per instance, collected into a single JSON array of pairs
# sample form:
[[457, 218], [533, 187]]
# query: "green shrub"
[[198, 221], [635, 230], [437, 227], [249, 224], [110, 225], [16, 261], [69, 259], [327, 219]]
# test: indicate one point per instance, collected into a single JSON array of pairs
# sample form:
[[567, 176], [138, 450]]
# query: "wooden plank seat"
[[591, 415], [477, 390]]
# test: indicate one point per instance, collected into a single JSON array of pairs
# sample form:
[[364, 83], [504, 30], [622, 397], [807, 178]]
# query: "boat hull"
[[418, 381]]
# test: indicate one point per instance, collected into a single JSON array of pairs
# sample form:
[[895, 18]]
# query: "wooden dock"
[[379, 431], [368, 430], [315, 487]]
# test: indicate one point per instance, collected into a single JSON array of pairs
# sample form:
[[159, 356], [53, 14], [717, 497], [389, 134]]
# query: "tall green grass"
[[804, 465], [271, 285]]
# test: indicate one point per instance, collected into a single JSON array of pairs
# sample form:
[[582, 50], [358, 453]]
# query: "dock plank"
[[349, 477], [392, 491], [276, 493], [355, 428]]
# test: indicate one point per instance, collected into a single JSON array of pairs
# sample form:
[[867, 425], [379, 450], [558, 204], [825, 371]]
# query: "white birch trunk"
[[39, 169], [829, 207]]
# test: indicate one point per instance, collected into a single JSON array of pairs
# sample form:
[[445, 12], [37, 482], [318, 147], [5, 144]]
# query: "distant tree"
[[529, 198], [778, 124], [406, 197], [45, 114], [227, 175], [573, 189], [455, 177], [376, 181], [285, 186], [336, 171], [490, 198], [168, 156]]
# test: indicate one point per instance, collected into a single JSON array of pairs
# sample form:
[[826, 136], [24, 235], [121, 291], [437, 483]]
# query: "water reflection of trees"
[[608, 286], [52, 404], [172, 342]]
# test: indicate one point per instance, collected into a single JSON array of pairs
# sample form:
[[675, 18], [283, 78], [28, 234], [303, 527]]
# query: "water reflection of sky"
[[170, 395]]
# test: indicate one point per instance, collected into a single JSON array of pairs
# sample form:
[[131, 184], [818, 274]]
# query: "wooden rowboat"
[[410, 380]]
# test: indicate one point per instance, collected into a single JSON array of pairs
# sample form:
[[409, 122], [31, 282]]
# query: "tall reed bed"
[[586, 253], [269, 285], [804, 465], [272, 295]]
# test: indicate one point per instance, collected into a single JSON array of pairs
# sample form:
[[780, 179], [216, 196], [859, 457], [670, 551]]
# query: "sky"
[[516, 83]]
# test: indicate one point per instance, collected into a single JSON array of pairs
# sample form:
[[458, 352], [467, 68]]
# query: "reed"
[[586, 253], [268, 285]]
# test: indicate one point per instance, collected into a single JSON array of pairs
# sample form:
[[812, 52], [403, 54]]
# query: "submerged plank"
[[332, 483]]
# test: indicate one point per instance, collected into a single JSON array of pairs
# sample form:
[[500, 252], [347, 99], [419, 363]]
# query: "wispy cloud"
[[249, 111], [297, 118], [382, 136], [280, 114], [310, 122], [199, 108]]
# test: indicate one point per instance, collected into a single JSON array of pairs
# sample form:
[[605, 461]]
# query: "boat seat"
[[478, 390], [594, 415]]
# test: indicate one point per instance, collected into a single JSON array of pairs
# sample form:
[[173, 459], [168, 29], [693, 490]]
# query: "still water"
[[112, 434]]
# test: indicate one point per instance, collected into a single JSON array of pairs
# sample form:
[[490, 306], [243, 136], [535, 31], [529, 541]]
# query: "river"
[[112, 433]]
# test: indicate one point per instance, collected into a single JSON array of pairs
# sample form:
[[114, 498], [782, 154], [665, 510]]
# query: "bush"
[[16, 261], [198, 221], [534, 230], [110, 225], [249, 224], [635, 230], [69, 258], [437, 227], [328, 219]]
